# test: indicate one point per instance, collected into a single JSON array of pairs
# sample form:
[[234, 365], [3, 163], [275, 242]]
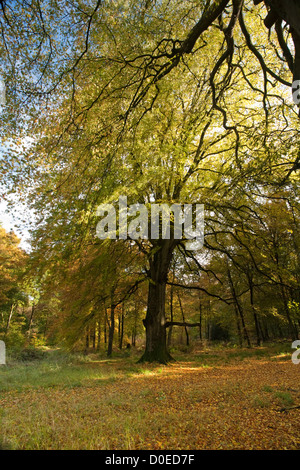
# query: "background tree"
[[12, 292]]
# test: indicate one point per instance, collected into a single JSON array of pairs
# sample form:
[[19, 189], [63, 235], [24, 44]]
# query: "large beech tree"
[[158, 101]]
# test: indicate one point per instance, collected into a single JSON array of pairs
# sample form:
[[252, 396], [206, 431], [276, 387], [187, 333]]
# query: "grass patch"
[[66, 401], [261, 402], [267, 388], [285, 399], [56, 370]]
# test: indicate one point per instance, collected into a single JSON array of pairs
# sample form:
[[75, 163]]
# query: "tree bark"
[[87, 340], [94, 336], [121, 326], [183, 321], [292, 327], [251, 292], [239, 308], [200, 320], [105, 325], [171, 315], [99, 334], [31, 318], [288, 10], [156, 349], [111, 328], [9, 319], [134, 330]]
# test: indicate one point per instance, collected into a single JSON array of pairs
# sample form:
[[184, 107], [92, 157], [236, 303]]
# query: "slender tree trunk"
[[31, 318], [171, 317], [98, 334], [292, 327], [121, 320], [111, 330], [134, 330], [208, 334], [239, 309], [87, 340], [257, 329], [200, 320], [156, 349], [105, 325], [279, 331], [266, 331], [46, 327], [238, 326], [183, 319], [94, 336], [262, 333], [9, 318], [258, 335], [245, 331], [208, 321]]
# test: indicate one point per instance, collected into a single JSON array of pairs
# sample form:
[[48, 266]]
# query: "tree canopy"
[[161, 102]]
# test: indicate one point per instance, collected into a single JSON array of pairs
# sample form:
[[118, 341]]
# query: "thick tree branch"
[[289, 11], [175, 284], [203, 24]]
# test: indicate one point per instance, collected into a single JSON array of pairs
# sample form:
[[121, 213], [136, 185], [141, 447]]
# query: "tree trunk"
[[183, 319], [98, 334], [31, 319], [292, 327], [134, 328], [238, 326], [251, 292], [105, 326], [46, 327], [200, 320], [266, 331], [156, 349], [171, 317], [289, 11], [239, 308], [9, 319], [111, 328], [87, 340], [94, 336], [121, 328]]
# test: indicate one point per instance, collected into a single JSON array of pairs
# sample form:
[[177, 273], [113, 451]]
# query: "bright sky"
[[5, 218], [8, 222]]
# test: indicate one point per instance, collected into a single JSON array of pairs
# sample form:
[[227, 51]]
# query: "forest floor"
[[210, 398]]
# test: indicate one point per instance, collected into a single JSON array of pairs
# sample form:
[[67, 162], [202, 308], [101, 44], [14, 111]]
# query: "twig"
[[289, 408]]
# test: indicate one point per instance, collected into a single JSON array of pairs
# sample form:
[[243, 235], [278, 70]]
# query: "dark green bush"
[[31, 354]]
